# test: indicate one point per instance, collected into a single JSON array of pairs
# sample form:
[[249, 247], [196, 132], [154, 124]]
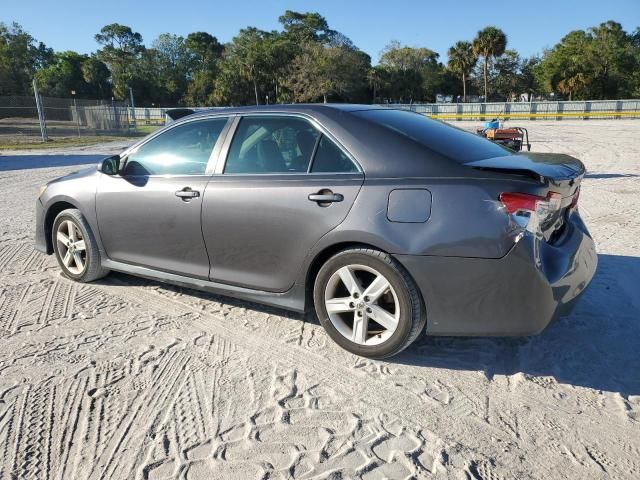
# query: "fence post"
[[75, 107], [560, 109], [116, 118], [41, 117], [587, 109], [133, 108], [129, 121], [533, 108]]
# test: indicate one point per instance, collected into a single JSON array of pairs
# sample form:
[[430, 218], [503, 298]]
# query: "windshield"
[[451, 142]]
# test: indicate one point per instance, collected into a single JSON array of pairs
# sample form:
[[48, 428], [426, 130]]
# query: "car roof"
[[290, 108]]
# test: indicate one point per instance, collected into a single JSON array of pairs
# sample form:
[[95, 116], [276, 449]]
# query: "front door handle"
[[326, 197], [187, 194]]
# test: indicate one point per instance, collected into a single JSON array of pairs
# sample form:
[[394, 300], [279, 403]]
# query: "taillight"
[[530, 211], [516, 202]]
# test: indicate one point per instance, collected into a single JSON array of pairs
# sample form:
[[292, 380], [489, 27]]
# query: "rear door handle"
[[329, 197], [187, 194]]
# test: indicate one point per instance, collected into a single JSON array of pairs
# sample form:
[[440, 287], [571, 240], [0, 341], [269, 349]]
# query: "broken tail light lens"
[[531, 211]]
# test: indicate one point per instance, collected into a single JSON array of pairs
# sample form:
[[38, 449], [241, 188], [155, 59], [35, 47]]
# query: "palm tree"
[[490, 42], [462, 59], [573, 83]]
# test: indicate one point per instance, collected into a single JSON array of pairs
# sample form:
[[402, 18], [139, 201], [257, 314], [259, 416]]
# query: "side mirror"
[[110, 165]]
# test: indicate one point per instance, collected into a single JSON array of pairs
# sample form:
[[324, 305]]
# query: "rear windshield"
[[454, 143]]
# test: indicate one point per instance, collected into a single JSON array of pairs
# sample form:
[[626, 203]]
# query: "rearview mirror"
[[110, 165]]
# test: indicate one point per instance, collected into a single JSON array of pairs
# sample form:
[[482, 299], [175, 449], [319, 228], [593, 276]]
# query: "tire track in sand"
[[351, 382]]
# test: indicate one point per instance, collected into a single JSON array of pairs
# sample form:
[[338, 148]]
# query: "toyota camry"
[[386, 223]]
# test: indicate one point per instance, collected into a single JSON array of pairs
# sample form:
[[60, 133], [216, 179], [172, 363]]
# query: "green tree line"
[[307, 61]]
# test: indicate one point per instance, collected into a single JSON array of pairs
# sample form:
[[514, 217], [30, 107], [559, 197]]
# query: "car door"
[[282, 185], [149, 214]]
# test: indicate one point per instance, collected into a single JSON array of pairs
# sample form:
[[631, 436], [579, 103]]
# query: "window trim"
[[226, 148], [213, 156], [313, 153]]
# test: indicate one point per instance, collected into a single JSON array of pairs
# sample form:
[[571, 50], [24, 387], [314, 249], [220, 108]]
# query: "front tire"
[[368, 303], [75, 247]]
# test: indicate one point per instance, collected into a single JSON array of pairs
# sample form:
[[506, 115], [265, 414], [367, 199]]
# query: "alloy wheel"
[[362, 305], [71, 247]]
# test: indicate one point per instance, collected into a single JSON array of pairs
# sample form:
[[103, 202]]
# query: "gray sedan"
[[385, 222]]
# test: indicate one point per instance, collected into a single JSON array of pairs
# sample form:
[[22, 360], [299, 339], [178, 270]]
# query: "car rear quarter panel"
[[466, 219]]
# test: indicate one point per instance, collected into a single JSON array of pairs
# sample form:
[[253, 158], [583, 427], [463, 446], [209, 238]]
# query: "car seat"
[[270, 157]]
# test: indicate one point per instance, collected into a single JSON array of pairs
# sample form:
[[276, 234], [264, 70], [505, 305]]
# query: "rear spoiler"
[[525, 172], [177, 113], [557, 168]]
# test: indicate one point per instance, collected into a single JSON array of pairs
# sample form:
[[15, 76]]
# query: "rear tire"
[[368, 303], [75, 247]]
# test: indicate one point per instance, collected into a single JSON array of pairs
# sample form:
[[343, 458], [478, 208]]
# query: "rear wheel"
[[75, 247], [368, 303]]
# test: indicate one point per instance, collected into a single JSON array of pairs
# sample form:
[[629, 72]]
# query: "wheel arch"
[[52, 211], [321, 257]]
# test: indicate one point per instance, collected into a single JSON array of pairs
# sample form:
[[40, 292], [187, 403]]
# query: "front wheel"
[[75, 247], [368, 303]]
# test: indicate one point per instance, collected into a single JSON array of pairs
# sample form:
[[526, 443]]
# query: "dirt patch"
[[127, 378]]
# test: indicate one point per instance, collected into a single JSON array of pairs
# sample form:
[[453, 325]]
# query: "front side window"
[[182, 150], [272, 144]]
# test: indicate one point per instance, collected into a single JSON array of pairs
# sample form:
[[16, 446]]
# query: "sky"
[[530, 26]]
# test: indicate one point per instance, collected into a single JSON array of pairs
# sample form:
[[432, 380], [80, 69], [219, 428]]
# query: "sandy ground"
[[125, 378]]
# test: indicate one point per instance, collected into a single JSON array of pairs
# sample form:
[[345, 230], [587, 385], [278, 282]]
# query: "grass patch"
[[61, 142], [147, 129], [33, 144]]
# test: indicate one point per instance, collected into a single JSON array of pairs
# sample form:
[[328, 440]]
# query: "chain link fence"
[[158, 115], [70, 117], [62, 118], [150, 115]]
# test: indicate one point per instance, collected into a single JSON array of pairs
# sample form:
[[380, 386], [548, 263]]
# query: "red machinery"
[[514, 137]]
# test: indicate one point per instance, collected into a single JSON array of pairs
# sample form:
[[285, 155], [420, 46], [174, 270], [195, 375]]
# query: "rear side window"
[[451, 142], [272, 144], [182, 150], [330, 159]]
